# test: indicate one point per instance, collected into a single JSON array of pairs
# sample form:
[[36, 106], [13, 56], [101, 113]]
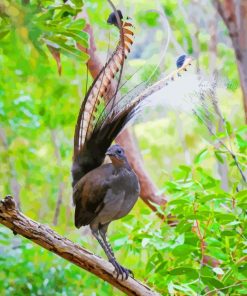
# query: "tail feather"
[[86, 158], [95, 132], [117, 118], [113, 121]]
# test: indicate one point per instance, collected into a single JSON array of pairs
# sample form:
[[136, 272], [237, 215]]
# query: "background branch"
[[53, 242], [234, 15]]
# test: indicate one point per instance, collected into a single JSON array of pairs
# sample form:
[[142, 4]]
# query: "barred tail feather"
[[84, 159], [118, 118]]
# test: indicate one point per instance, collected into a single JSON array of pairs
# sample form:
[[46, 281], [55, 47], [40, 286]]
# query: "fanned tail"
[[85, 158]]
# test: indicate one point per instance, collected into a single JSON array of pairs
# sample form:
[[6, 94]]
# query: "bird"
[[104, 192]]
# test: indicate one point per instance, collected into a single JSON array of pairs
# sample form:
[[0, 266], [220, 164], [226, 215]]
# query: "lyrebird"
[[105, 192]]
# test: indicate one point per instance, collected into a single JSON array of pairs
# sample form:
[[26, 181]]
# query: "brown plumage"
[[105, 194], [113, 183]]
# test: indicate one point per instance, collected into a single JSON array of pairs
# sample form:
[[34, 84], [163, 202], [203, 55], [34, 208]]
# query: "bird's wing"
[[89, 194]]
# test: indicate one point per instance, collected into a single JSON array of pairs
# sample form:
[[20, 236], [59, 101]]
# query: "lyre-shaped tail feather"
[[100, 87], [116, 119], [98, 90]]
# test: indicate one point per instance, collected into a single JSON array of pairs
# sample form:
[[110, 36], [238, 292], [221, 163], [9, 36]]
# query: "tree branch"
[[234, 15], [53, 242]]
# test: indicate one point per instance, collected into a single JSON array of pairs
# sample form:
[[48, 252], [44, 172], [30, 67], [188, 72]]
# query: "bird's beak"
[[109, 152]]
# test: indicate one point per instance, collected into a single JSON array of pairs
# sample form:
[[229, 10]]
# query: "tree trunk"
[[234, 14]]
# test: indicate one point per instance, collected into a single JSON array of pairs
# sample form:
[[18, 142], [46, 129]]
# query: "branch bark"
[[125, 139], [234, 15], [53, 242]]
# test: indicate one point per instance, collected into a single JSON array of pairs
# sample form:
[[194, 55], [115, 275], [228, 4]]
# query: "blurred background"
[[187, 149]]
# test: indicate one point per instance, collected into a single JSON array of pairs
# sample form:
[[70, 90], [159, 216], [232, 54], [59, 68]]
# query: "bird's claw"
[[120, 271]]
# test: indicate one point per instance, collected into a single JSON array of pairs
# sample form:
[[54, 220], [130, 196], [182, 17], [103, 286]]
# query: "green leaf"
[[243, 205], [119, 240], [178, 201], [184, 270], [173, 186], [77, 25], [242, 130], [183, 250], [64, 10], [201, 156], [208, 197], [3, 33], [68, 50], [224, 218], [74, 53], [78, 3], [212, 282], [216, 196], [218, 156], [241, 195], [79, 36], [242, 143], [195, 217], [228, 128], [228, 233]]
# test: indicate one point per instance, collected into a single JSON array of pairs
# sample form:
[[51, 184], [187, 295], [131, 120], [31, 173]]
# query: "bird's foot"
[[120, 271]]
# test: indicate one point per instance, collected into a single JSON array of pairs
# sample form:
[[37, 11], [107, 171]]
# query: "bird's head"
[[117, 155], [112, 19]]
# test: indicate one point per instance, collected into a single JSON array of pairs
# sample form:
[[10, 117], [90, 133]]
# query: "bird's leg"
[[102, 232], [102, 243], [119, 269]]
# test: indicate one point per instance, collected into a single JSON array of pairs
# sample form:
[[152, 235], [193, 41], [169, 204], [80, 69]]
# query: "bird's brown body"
[[105, 194]]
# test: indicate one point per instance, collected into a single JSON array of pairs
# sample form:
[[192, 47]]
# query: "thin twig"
[[221, 289], [234, 157]]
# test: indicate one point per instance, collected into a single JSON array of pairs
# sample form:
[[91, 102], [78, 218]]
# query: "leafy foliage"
[[48, 24]]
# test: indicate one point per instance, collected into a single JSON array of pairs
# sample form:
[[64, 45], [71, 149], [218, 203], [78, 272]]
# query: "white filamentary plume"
[[182, 94]]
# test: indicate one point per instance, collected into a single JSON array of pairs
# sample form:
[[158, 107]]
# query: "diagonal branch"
[[53, 242]]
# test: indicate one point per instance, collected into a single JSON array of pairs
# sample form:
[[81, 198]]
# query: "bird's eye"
[[119, 151]]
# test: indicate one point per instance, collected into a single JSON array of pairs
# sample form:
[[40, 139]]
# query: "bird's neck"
[[120, 164]]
